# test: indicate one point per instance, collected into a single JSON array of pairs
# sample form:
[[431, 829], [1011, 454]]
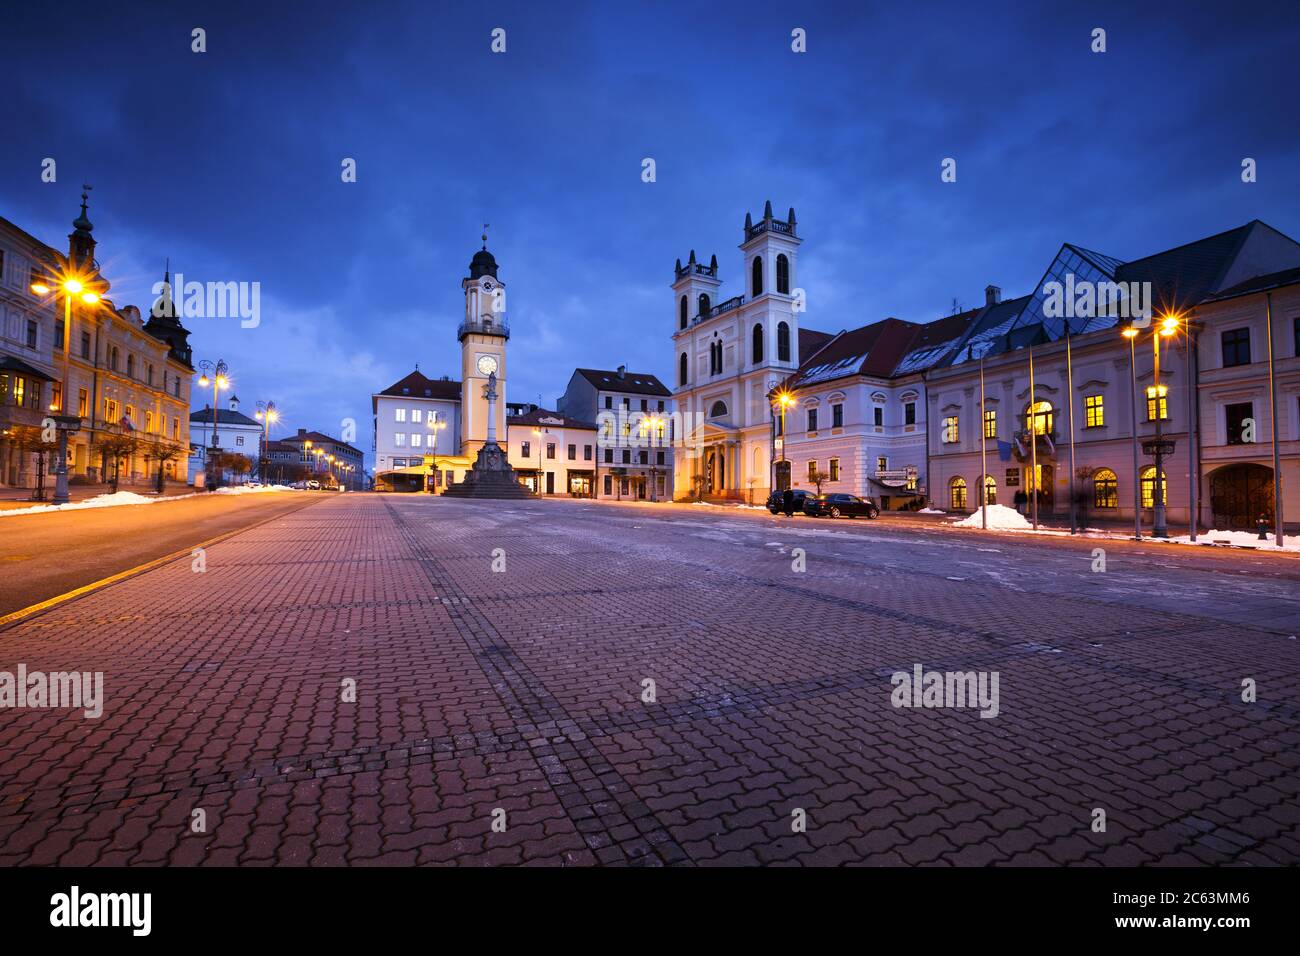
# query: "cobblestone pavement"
[[480, 691]]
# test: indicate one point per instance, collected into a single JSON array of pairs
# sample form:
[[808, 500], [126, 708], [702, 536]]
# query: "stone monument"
[[492, 475]]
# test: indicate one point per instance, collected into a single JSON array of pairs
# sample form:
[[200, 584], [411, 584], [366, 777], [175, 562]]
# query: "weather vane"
[[485, 229]]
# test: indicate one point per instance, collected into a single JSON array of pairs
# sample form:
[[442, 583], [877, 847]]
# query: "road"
[[387, 679], [47, 554]]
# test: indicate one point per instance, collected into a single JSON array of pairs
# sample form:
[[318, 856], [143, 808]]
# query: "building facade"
[[729, 355], [334, 463], [552, 453], [126, 377], [233, 432], [633, 415]]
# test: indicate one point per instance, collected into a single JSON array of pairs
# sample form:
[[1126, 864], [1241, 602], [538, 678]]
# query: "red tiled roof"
[[419, 385]]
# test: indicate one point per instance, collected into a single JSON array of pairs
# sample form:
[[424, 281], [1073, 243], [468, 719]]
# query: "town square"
[[649, 436]]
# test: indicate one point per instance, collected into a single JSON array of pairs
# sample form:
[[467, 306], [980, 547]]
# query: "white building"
[[729, 355], [232, 432], [553, 452], [633, 415]]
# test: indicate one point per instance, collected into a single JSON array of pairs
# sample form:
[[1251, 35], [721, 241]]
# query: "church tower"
[[771, 254], [483, 335]]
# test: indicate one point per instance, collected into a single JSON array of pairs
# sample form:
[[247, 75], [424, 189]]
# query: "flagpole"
[[984, 463], [1069, 398], [1034, 481], [1278, 522]]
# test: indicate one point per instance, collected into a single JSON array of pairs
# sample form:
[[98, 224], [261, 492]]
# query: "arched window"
[[1149, 487], [783, 342], [758, 342], [1038, 418], [682, 368], [757, 272], [713, 358], [1105, 489], [990, 490], [704, 305], [719, 410], [112, 360], [783, 275], [957, 494], [682, 309], [130, 365]]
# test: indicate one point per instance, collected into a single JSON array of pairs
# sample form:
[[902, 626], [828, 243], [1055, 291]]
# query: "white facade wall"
[[413, 427]]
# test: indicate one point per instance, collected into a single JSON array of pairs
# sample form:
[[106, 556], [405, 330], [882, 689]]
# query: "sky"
[[229, 162]]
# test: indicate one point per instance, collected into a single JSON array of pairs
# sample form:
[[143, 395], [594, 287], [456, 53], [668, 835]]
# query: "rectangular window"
[[148, 421], [812, 419], [643, 457], [31, 334], [56, 399], [837, 415], [659, 458], [1236, 347], [1297, 325], [176, 429], [550, 449], [609, 485], [645, 405], [83, 402], [812, 470], [991, 423], [1238, 415], [609, 456], [909, 413], [627, 457], [416, 437], [1296, 331], [1094, 411], [399, 414], [1157, 402], [85, 345], [882, 463], [526, 449], [399, 439], [1105, 490], [239, 439], [609, 401], [415, 415], [573, 452], [399, 462], [950, 429], [835, 469], [586, 453], [879, 416]]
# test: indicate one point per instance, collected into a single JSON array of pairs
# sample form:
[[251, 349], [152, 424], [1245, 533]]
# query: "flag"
[[127, 423], [1004, 450]]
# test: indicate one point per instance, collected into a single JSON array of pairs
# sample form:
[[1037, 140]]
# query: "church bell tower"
[[483, 335]]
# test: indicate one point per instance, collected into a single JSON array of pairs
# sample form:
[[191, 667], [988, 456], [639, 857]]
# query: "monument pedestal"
[[491, 477]]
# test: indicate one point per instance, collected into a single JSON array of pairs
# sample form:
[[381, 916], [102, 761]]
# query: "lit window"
[[991, 424], [1105, 489], [950, 432], [1157, 402], [399, 414], [1038, 418], [957, 494], [990, 490], [1149, 487], [835, 469], [1094, 411], [812, 470]]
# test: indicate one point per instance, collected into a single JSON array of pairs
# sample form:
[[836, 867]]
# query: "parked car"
[[776, 501], [839, 506], [313, 485]]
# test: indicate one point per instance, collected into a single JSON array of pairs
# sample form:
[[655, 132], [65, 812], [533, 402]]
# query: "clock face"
[[487, 364], [487, 285]]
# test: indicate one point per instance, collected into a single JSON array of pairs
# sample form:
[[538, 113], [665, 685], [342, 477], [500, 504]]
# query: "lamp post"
[[218, 375], [1131, 334], [654, 425], [1168, 326], [435, 425], [785, 400], [537, 432], [71, 285], [266, 414]]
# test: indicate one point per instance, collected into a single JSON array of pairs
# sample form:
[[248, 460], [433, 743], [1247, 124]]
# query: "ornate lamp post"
[[435, 425], [1157, 448], [217, 374], [266, 414], [785, 400]]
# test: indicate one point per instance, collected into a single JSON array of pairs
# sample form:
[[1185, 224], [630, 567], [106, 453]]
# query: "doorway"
[[1239, 494]]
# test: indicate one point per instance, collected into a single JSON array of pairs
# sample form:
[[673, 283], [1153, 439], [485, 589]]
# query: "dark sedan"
[[776, 501], [839, 506]]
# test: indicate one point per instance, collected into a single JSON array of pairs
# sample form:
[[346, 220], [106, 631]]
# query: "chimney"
[[992, 295], [302, 432], [622, 371]]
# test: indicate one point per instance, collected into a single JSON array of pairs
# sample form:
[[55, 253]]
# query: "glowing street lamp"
[[785, 399], [216, 374], [267, 415], [1167, 326], [435, 425]]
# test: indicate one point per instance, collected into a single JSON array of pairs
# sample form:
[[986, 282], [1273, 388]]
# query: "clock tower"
[[483, 335]]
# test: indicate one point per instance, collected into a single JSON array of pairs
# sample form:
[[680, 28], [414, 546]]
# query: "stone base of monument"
[[491, 477]]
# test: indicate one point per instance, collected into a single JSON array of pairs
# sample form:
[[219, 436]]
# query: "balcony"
[[769, 225], [484, 325], [1047, 443]]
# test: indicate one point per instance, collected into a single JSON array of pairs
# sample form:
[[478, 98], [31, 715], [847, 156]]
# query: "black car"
[[836, 506], [776, 501]]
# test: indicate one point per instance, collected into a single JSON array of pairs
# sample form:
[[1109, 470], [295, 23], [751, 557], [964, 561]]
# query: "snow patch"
[[99, 501], [1001, 518], [931, 511], [249, 489]]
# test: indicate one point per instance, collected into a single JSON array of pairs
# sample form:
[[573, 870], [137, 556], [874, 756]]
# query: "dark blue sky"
[[229, 161]]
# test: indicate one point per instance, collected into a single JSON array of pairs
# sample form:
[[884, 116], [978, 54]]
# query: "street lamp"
[[538, 433], [218, 375], [267, 415], [786, 400], [654, 425], [1168, 326], [434, 425]]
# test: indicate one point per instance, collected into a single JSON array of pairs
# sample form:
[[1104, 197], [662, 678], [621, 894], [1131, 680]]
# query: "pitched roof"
[[537, 414], [419, 385], [934, 340], [635, 383], [811, 341], [1261, 283], [1182, 276], [870, 350], [225, 416]]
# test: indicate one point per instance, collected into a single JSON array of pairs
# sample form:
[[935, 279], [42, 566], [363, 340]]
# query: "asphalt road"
[[48, 554]]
